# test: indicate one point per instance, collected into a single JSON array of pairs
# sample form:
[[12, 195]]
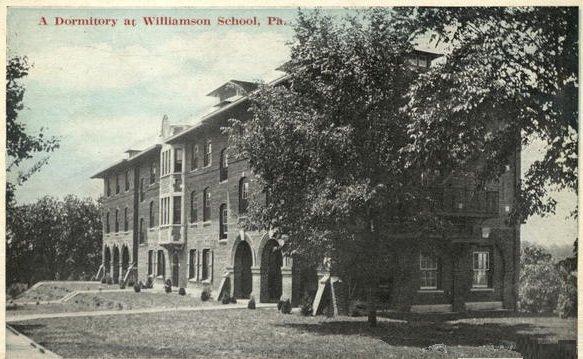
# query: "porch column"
[[286, 279], [256, 280]]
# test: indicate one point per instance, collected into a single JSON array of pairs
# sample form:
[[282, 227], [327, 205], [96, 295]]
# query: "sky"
[[103, 90]]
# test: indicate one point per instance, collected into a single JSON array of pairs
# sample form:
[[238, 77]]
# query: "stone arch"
[[106, 260], [271, 273], [242, 276], [115, 270], [243, 237]]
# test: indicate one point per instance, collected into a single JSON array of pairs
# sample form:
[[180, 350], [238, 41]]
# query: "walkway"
[[19, 346], [240, 305]]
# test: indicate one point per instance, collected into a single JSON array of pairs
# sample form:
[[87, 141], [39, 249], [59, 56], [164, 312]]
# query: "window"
[[178, 160], [193, 208], [206, 205], [207, 263], [192, 264], [142, 189], [177, 210], [165, 162], [117, 184], [150, 262], [127, 188], [152, 172], [125, 220], [224, 166], [108, 187], [142, 231], [165, 211], [482, 272], [208, 151], [107, 229], [116, 220], [243, 195], [151, 222], [428, 272], [161, 270], [194, 158], [223, 221]]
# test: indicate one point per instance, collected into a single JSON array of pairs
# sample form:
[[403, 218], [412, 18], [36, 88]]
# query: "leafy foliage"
[[540, 281], [21, 145], [509, 80], [52, 239]]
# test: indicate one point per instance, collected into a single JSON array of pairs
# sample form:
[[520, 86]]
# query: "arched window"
[[193, 208], [127, 188], [142, 231], [194, 157], [116, 220], [206, 205], [208, 151], [161, 270], [223, 221], [152, 172], [224, 166], [142, 190], [152, 214], [108, 186], [125, 220], [107, 228], [243, 195], [116, 184]]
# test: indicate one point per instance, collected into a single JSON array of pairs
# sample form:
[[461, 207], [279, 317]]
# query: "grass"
[[119, 300], [50, 291], [269, 334]]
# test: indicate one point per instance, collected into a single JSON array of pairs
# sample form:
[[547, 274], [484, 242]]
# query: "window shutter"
[[197, 275], [212, 264]]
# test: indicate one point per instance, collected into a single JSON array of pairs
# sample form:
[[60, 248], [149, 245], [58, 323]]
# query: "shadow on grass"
[[424, 330]]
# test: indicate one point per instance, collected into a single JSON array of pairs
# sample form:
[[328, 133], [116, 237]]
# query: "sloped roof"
[[245, 85]]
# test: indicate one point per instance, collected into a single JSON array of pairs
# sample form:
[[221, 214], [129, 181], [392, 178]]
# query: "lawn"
[[119, 300], [50, 291], [270, 334]]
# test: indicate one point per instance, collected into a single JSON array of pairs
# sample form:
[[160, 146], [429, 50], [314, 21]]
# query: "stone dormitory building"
[[171, 211]]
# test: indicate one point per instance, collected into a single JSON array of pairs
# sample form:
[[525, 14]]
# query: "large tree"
[[20, 144], [326, 144], [514, 67]]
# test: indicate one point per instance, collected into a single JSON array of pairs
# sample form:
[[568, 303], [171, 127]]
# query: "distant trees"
[[52, 239]]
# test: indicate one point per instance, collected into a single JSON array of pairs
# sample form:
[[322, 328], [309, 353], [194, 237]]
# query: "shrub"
[[138, 287], [109, 280], [279, 305], [168, 286], [251, 304], [182, 291], [122, 285], [11, 306], [286, 307], [226, 299], [103, 280], [205, 295], [149, 282], [306, 305], [233, 300], [567, 300], [538, 290]]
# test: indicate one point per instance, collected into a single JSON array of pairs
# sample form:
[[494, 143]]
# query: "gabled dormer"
[[232, 91]]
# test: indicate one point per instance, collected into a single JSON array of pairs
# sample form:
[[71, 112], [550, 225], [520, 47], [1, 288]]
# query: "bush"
[[226, 299], [109, 280], [279, 305], [103, 280], [11, 306], [251, 304], [306, 305], [122, 285], [286, 307], [149, 282], [168, 286], [182, 291], [15, 289], [539, 286], [138, 287], [205, 295], [567, 300], [233, 300]]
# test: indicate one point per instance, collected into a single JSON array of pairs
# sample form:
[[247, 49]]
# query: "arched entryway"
[[115, 273], [125, 260], [271, 262], [243, 282], [106, 261], [175, 269]]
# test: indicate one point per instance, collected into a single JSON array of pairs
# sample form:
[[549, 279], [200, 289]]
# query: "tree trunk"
[[372, 306]]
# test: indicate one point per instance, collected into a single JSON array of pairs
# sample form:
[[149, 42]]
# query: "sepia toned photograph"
[[291, 182]]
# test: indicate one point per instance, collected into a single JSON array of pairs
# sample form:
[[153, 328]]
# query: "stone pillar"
[[121, 273], [286, 283], [256, 280]]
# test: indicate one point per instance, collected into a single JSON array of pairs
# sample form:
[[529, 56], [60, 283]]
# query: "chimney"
[[132, 153], [165, 128]]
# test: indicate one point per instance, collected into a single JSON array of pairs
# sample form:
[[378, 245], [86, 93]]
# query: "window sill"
[[152, 229], [435, 291], [193, 225], [143, 244], [482, 290], [206, 224], [223, 240], [224, 181], [192, 280]]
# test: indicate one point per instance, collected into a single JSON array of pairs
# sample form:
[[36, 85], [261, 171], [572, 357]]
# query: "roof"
[[127, 161], [245, 85]]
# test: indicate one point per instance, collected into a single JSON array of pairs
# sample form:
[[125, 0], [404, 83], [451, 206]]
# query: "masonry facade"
[[172, 211]]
